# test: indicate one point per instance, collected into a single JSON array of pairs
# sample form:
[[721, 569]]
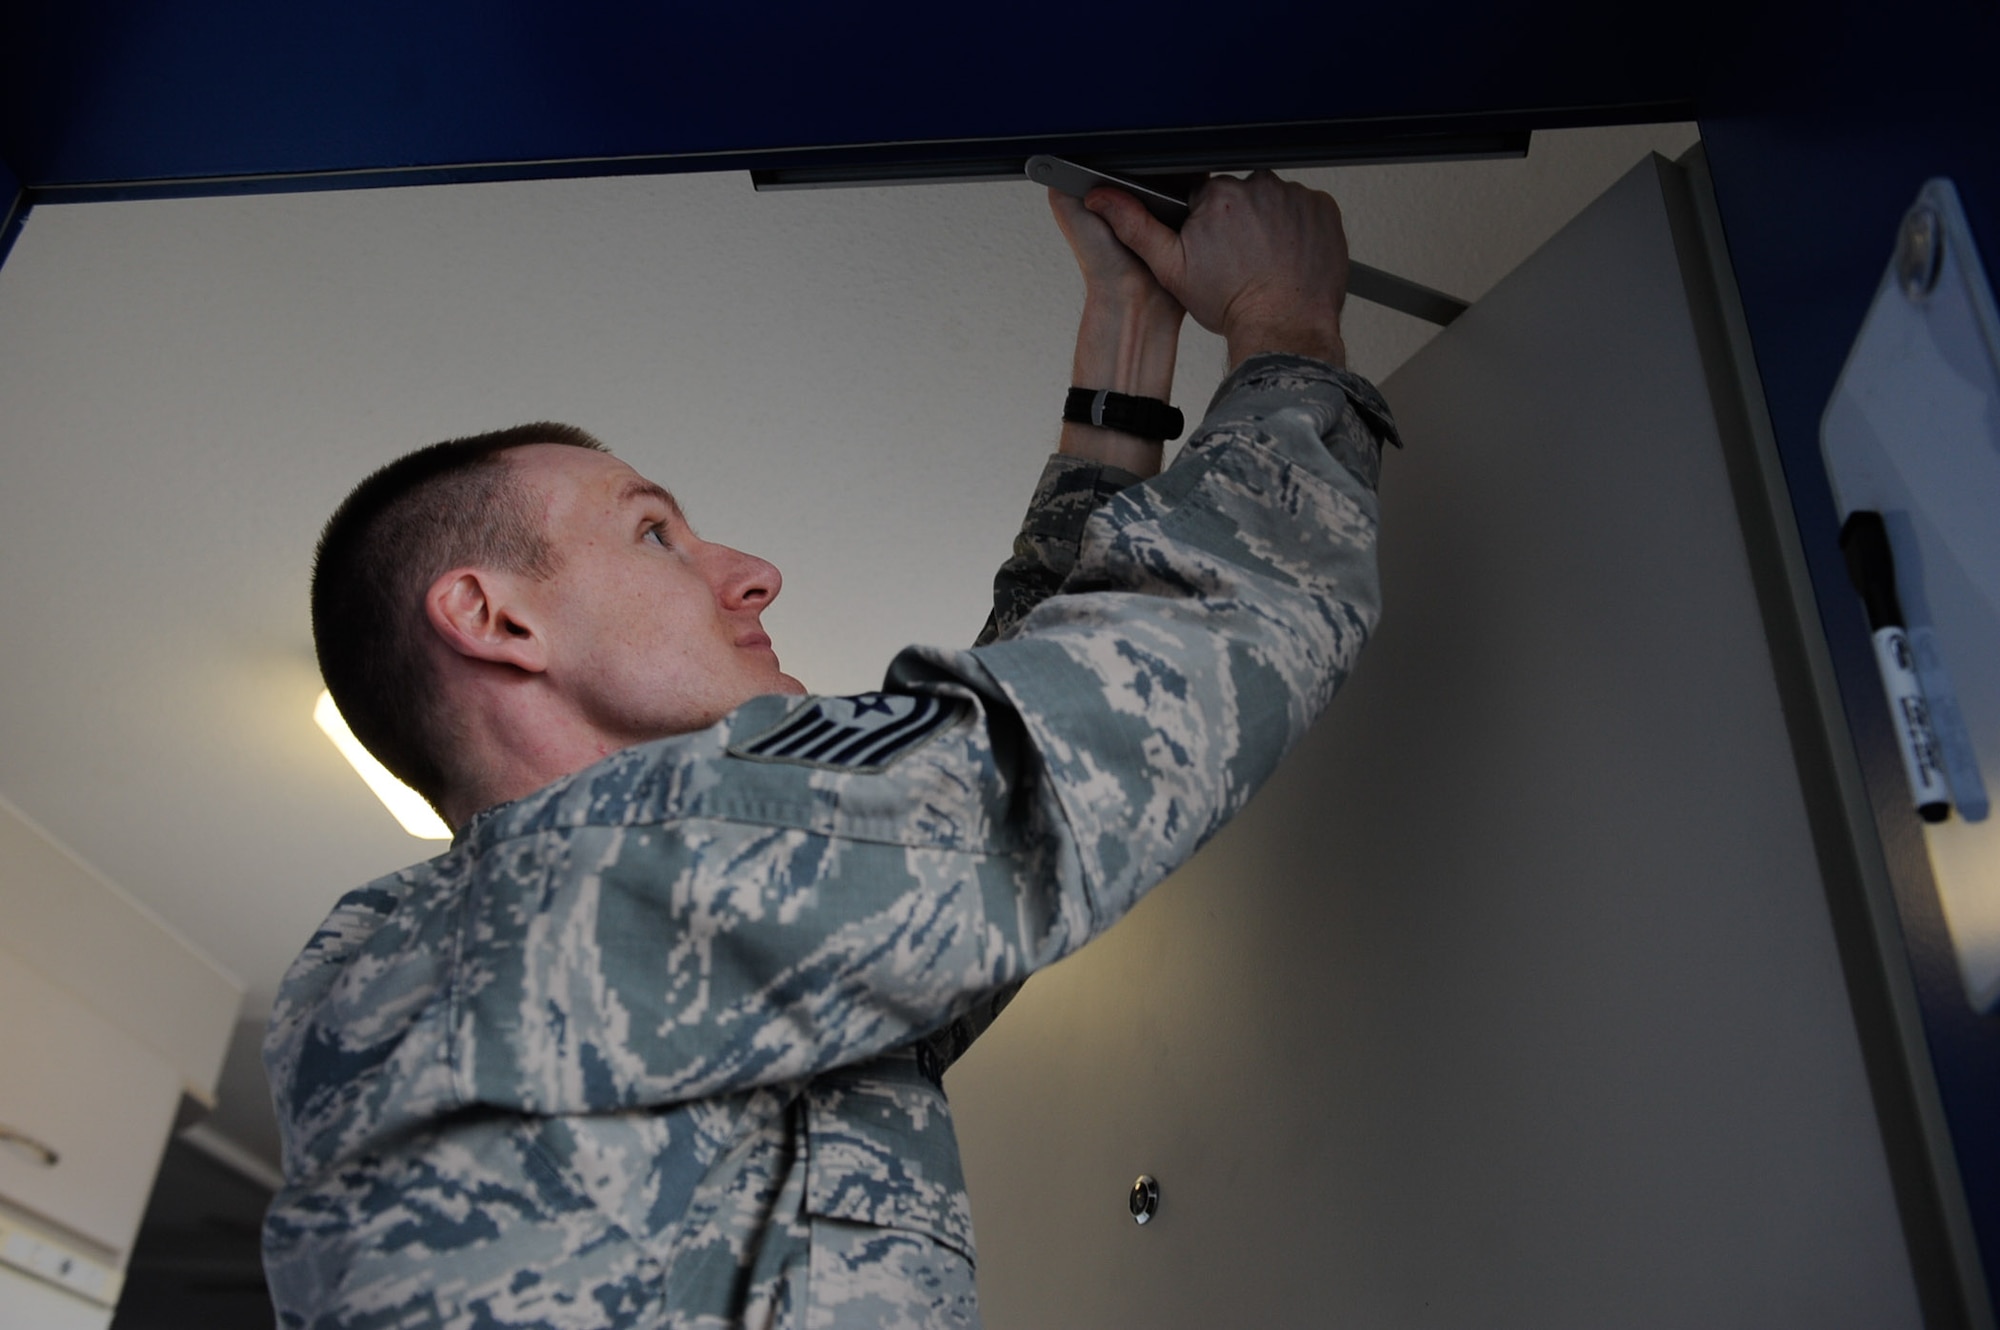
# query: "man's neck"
[[531, 757]]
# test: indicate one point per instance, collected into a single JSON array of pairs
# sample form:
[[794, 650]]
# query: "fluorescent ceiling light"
[[418, 818]]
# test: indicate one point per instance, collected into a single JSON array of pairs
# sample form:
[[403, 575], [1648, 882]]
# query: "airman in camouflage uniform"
[[659, 1044]]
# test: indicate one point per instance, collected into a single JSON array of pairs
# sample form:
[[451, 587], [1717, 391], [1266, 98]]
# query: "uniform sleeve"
[[1045, 551], [1211, 615], [784, 914]]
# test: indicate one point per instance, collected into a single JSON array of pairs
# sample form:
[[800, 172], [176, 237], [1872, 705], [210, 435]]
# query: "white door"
[[1513, 1000]]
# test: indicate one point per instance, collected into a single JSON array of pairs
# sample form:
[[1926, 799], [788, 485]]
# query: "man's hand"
[[1127, 340], [1262, 261], [1112, 274]]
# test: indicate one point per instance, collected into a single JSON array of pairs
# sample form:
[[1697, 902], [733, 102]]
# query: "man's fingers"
[[1139, 231], [1067, 211]]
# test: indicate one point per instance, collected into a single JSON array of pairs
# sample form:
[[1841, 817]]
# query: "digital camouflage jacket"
[[658, 1045]]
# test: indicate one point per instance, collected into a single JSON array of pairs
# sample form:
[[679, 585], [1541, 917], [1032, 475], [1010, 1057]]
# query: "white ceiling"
[[857, 384]]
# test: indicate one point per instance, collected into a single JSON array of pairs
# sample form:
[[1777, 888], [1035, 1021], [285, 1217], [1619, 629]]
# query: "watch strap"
[[1147, 417]]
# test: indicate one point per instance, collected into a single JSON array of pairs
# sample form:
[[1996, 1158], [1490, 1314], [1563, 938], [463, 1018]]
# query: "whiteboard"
[[1913, 431]]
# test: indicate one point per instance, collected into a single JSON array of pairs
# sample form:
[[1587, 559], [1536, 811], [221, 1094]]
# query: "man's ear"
[[479, 614]]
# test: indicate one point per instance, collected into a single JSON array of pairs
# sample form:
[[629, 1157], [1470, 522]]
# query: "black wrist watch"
[[1147, 417]]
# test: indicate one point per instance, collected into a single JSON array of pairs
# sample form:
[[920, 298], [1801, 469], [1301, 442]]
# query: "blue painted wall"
[[1812, 178], [113, 90]]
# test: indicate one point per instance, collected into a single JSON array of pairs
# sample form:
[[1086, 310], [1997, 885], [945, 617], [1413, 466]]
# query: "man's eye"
[[657, 533]]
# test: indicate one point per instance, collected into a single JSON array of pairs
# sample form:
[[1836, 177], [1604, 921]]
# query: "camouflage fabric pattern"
[[1045, 550], [648, 1047]]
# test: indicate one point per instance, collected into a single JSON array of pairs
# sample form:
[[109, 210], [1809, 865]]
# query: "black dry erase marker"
[[1872, 568]]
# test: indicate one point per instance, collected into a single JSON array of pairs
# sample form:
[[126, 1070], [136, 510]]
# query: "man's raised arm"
[[1050, 779], [1127, 341]]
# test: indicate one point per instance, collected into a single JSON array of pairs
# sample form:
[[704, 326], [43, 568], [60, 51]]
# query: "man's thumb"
[[1138, 230]]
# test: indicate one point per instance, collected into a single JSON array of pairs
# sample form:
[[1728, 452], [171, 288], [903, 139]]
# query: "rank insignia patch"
[[864, 733]]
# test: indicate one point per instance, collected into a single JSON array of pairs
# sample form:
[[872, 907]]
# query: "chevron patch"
[[863, 733]]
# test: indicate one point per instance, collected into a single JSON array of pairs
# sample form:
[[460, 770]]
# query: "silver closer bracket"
[[1165, 201]]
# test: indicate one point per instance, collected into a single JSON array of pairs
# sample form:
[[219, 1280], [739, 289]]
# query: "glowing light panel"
[[418, 818]]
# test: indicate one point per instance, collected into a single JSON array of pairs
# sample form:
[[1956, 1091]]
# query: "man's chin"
[[788, 685]]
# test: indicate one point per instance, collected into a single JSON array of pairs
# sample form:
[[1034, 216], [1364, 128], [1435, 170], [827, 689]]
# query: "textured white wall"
[[857, 384]]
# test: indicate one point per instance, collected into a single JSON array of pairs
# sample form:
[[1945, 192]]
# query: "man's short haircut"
[[453, 504]]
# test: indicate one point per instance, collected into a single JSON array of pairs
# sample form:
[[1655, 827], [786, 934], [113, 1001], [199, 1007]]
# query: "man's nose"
[[744, 581]]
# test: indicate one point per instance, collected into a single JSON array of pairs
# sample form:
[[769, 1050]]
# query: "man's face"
[[651, 630]]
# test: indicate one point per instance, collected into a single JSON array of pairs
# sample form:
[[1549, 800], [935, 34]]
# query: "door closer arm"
[[1165, 200]]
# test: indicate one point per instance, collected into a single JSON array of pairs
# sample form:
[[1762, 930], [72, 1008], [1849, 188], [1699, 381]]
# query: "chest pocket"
[[881, 1151]]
